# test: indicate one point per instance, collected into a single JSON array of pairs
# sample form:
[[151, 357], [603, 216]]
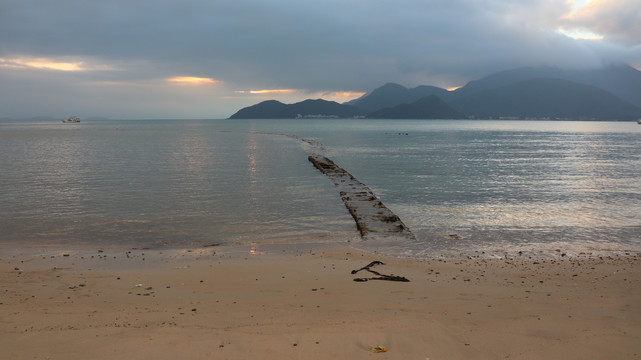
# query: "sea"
[[463, 187]]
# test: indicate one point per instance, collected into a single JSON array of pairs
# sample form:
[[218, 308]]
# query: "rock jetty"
[[371, 215]]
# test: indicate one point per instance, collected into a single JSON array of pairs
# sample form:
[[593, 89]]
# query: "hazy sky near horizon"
[[207, 59]]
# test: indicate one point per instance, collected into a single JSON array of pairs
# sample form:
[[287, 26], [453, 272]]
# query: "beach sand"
[[250, 303]]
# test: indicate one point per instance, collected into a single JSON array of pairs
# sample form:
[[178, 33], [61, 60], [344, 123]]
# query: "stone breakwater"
[[371, 215]]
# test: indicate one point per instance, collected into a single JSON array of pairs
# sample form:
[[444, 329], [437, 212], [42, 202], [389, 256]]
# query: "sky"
[[205, 59]]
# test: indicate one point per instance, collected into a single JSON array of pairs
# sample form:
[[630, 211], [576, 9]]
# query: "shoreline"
[[275, 302], [393, 246]]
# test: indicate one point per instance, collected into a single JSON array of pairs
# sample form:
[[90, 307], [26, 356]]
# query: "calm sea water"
[[459, 185]]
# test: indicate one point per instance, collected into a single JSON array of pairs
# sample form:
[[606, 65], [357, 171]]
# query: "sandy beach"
[[303, 304]]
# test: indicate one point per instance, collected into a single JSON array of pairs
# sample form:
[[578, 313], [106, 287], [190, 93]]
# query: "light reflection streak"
[[254, 251], [192, 152], [252, 166], [252, 148]]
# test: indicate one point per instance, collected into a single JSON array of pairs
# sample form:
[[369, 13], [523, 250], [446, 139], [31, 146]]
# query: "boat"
[[639, 121], [73, 119]]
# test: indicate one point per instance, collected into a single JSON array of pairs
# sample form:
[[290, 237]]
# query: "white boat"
[[73, 119]]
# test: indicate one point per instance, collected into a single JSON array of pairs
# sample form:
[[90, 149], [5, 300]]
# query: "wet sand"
[[303, 304]]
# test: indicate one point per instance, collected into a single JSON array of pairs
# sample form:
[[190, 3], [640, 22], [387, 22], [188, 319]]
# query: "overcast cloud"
[[207, 59]]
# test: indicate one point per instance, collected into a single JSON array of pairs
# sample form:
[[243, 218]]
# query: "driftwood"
[[370, 214], [379, 275]]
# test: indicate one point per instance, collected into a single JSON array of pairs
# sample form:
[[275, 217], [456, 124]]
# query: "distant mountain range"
[[610, 93], [427, 107], [272, 109]]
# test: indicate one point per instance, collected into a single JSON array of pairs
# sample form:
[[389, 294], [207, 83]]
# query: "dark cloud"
[[132, 46]]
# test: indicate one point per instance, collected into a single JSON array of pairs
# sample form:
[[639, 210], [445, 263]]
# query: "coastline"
[[274, 302]]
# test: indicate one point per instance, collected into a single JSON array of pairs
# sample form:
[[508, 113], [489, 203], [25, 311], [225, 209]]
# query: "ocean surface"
[[480, 187]]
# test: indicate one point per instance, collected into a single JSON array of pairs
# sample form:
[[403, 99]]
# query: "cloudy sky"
[[134, 59]]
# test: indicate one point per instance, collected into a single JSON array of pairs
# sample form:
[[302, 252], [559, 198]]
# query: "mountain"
[[272, 109], [324, 108], [504, 78], [609, 93], [623, 81], [428, 107], [391, 94], [545, 97]]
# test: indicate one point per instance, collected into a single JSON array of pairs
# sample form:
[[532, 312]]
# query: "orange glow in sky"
[[327, 95], [269, 91], [581, 34], [346, 94], [192, 80], [582, 9], [338, 96], [38, 63]]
